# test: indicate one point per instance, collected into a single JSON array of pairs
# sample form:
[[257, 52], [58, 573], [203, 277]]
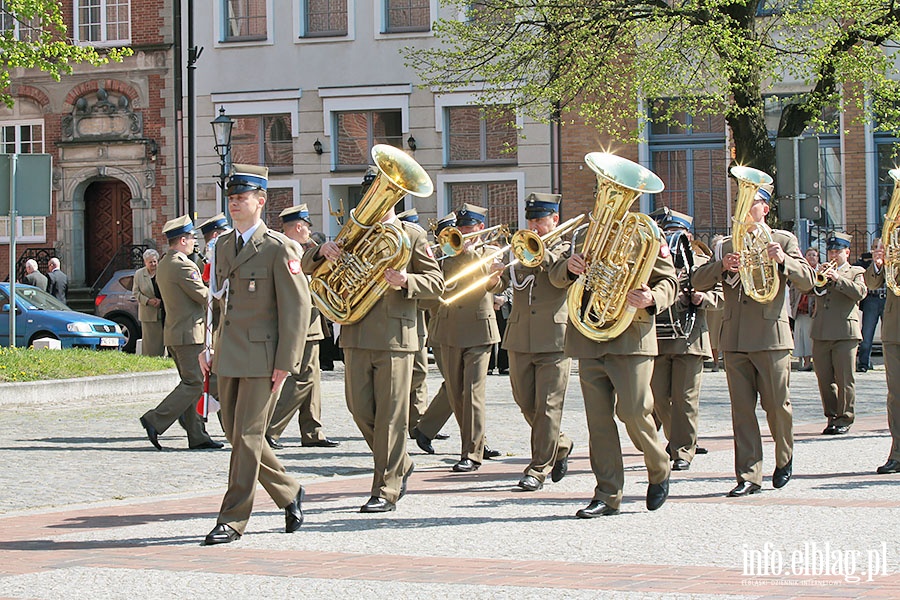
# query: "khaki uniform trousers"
[[620, 385], [152, 338], [301, 392], [439, 411], [539, 388], [377, 384], [182, 401], [466, 379], [892, 368], [418, 394], [766, 374], [247, 404], [676, 392], [835, 364]]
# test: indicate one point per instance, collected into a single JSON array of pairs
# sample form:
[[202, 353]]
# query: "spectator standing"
[[33, 276], [58, 281]]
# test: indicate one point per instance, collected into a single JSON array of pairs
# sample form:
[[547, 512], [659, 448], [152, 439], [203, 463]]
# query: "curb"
[[82, 388]]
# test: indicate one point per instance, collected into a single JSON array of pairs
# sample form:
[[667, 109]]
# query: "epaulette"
[[412, 225], [280, 237]]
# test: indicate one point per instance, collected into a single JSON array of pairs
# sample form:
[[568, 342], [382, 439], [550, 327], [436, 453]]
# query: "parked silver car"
[[117, 303]]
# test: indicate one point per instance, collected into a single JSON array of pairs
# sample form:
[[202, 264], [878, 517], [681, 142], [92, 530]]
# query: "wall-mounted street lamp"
[[411, 142], [222, 126], [317, 146]]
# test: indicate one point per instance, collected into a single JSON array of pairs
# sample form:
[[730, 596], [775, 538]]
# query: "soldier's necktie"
[[240, 242]]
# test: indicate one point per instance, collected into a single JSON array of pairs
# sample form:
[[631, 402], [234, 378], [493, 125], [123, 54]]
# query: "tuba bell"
[[890, 237], [346, 289], [620, 248], [759, 273]]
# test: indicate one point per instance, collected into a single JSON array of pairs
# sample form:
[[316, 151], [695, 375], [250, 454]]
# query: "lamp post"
[[222, 126]]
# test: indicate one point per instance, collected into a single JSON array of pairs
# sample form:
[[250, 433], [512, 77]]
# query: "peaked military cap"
[[217, 222], [411, 216], [178, 227], [470, 214], [838, 241], [247, 178], [295, 213]]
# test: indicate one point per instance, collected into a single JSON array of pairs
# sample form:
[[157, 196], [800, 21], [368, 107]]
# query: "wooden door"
[[107, 224]]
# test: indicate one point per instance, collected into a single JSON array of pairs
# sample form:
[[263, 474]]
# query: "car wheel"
[[130, 330], [39, 335]]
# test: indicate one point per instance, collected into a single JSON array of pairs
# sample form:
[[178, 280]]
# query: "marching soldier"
[[265, 306], [890, 340], [836, 334], [534, 340], [379, 351], [302, 391], [184, 296], [756, 340], [678, 368]]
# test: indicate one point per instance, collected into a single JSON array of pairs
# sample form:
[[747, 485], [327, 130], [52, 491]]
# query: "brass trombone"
[[451, 242]]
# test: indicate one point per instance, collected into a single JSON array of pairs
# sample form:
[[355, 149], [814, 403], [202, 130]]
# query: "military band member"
[[890, 341], [836, 334], [211, 229], [678, 368], [615, 382], [265, 315], [534, 340], [184, 296], [302, 391], [756, 340], [379, 351]]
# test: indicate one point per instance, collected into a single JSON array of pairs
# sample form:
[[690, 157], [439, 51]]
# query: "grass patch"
[[21, 364]]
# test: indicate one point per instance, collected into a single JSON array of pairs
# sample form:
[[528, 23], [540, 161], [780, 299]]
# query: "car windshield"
[[36, 299]]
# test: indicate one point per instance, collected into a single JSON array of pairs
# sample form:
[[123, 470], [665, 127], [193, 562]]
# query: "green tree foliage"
[[33, 36], [714, 56]]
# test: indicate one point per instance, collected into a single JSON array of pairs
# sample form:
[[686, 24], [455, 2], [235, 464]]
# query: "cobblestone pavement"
[[89, 509]]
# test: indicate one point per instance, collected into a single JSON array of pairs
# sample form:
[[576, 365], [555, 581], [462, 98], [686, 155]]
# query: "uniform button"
[[230, 307], [533, 312], [228, 322]]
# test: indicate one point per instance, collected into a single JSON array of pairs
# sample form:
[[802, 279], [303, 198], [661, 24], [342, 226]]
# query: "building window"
[[476, 136], [29, 230], [263, 140], [358, 131], [245, 20], [103, 21], [324, 18], [499, 197], [22, 138], [24, 31], [401, 16], [277, 199]]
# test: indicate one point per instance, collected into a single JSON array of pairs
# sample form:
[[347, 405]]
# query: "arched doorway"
[[107, 224]]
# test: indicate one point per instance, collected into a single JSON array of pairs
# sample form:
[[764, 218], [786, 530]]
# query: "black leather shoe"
[[405, 480], [293, 514], [377, 505], [323, 443], [891, 466], [221, 534], [488, 454], [273, 443], [679, 464], [530, 483], [152, 434], [862, 369], [596, 509], [657, 494], [423, 442], [701, 450], [841, 429], [783, 474], [208, 445], [828, 430], [560, 467], [466, 466], [744, 488], [442, 436]]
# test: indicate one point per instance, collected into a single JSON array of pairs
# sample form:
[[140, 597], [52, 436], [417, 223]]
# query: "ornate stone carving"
[[102, 116]]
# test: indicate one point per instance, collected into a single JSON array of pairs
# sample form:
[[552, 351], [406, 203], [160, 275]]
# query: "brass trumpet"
[[451, 242], [821, 280]]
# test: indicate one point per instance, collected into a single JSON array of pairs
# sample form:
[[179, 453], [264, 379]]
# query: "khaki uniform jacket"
[[747, 325], [391, 324], [539, 315], [265, 314], [184, 295], [837, 312], [142, 288], [890, 323], [697, 343], [470, 321], [640, 337], [315, 332]]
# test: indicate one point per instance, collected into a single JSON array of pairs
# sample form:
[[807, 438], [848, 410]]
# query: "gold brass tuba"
[[620, 248], [346, 289], [890, 237], [759, 273]]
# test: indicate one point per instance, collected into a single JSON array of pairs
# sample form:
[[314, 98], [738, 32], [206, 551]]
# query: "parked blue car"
[[40, 315]]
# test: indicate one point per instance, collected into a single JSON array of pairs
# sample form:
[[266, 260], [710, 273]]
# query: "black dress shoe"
[[208, 445], [273, 443], [862, 369], [488, 454], [323, 443], [466, 465], [891, 466], [221, 534], [560, 467], [404, 481], [829, 430], [783, 474], [679, 464], [423, 442], [377, 505], [442, 436], [657, 494], [293, 514], [744, 488], [841, 429], [530, 483], [596, 508], [701, 450], [152, 434]]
